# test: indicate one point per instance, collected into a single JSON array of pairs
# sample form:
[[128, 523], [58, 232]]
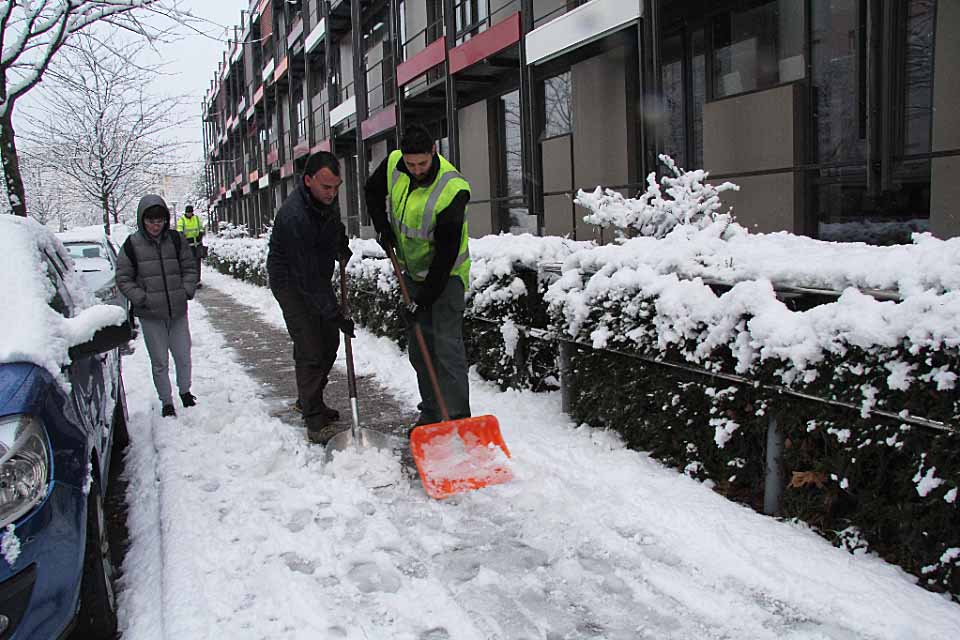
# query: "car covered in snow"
[[95, 259], [62, 409]]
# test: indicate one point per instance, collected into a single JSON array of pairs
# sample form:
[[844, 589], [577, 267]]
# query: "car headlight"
[[24, 466], [107, 293]]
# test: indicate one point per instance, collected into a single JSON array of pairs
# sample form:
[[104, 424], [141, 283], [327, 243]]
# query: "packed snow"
[[238, 529]]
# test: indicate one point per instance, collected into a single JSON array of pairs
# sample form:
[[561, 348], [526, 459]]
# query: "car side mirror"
[[106, 339]]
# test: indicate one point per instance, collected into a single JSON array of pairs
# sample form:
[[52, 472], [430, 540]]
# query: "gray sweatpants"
[[162, 338]]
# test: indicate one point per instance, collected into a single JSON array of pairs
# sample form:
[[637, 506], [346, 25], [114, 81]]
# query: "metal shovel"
[[357, 436]]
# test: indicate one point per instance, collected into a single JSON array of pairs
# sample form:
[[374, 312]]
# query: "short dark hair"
[[189, 209], [156, 212], [416, 139], [321, 160]]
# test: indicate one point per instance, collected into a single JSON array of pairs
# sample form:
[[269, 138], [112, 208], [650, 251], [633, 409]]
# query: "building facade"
[[837, 118]]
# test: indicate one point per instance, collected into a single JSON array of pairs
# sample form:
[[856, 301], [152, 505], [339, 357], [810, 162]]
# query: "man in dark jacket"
[[307, 237], [427, 228], [157, 272]]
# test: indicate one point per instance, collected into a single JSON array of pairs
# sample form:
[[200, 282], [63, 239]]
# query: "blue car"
[[62, 414]]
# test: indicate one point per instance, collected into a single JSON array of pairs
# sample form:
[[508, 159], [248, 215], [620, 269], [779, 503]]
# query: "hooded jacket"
[[163, 281], [307, 237]]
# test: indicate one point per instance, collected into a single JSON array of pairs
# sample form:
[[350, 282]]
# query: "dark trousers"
[[197, 250], [315, 345], [442, 326]]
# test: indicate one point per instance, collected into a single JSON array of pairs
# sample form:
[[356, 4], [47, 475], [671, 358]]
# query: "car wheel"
[[98, 603]]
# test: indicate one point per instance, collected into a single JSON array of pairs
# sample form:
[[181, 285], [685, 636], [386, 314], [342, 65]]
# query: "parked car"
[[95, 259], [62, 413]]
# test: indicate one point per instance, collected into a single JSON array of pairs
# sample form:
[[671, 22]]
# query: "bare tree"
[[32, 33], [113, 132]]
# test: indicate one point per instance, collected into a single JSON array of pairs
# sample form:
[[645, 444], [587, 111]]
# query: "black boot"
[[168, 411], [332, 415], [188, 399], [319, 429]]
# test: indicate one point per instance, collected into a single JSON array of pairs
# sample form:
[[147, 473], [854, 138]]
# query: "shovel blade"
[[364, 439], [460, 455]]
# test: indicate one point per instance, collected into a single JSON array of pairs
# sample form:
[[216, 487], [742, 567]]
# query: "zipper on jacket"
[[403, 208], [163, 272]]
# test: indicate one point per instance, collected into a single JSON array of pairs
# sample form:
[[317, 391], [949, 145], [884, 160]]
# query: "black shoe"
[[168, 411], [319, 429], [199, 285], [188, 399]]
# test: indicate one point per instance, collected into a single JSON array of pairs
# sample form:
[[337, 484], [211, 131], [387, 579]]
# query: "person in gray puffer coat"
[[158, 280]]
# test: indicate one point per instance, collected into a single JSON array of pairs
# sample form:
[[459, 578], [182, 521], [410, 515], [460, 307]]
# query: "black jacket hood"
[[148, 201]]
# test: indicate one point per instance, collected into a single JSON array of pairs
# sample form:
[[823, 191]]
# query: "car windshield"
[[84, 250]]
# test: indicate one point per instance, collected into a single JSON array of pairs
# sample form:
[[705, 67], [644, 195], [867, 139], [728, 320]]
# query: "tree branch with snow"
[[680, 198]]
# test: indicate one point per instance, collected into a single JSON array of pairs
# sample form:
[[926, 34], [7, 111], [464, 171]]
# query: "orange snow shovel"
[[453, 456]]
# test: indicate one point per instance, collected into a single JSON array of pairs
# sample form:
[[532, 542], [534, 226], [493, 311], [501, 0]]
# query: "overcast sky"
[[192, 60]]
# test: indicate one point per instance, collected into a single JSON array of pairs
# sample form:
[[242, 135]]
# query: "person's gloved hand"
[[387, 238], [343, 252], [345, 325]]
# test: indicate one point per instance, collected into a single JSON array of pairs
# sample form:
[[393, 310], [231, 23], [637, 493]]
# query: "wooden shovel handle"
[[427, 360]]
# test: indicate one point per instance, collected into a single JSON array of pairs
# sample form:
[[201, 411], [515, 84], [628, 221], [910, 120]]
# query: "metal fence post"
[[773, 479], [566, 377]]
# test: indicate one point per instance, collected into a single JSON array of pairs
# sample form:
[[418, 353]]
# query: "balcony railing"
[[321, 124], [570, 5], [380, 85], [419, 41], [473, 17]]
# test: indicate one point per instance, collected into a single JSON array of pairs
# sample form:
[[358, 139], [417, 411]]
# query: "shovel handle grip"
[[427, 360]]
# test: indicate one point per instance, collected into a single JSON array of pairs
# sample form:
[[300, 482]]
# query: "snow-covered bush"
[[689, 201], [234, 253]]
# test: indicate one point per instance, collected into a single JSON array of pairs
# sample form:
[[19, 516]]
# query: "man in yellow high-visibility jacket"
[[192, 229], [427, 227]]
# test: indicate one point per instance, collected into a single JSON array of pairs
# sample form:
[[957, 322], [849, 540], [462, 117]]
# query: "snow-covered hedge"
[[844, 380], [234, 253]]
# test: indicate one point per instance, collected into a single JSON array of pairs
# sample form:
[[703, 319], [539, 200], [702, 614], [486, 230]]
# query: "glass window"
[[513, 213], [557, 106], [918, 76], [675, 118], [758, 48], [84, 250], [837, 50]]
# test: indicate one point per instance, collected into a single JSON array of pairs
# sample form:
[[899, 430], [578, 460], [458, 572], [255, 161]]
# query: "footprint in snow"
[[210, 486], [437, 633], [299, 520], [298, 563], [369, 578]]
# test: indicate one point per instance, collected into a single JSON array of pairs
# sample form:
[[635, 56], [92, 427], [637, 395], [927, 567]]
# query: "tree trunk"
[[16, 195], [105, 204]]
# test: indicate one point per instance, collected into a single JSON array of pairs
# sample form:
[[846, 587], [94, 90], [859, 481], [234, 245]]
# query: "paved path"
[[267, 354]]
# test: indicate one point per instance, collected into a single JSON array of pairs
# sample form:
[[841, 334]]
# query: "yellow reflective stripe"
[[428, 221]]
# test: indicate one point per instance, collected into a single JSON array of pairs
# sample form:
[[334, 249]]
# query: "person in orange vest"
[[192, 229]]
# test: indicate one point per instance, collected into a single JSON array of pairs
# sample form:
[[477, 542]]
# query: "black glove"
[[411, 312], [387, 238], [345, 325], [343, 252]]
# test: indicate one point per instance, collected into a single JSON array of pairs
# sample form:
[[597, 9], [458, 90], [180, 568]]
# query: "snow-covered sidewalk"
[[238, 530]]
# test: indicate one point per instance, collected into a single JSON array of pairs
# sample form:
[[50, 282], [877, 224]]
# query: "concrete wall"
[[557, 175], [346, 58], [600, 145], [757, 132], [475, 134], [944, 186]]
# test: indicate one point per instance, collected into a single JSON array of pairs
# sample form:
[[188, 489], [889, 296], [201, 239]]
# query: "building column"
[[360, 93], [453, 129], [529, 124]]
